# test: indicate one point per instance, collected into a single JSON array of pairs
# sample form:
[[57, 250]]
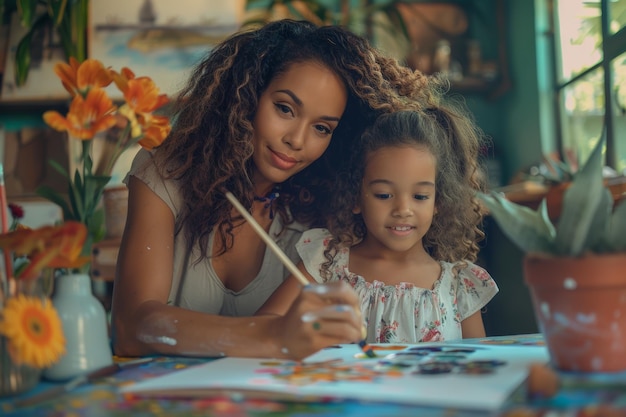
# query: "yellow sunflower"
[[33, 329]]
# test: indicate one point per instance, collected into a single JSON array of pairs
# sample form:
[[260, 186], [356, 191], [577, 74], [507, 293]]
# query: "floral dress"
[[405, 313]]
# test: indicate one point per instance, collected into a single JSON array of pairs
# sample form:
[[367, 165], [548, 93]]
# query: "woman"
[[268, 115]]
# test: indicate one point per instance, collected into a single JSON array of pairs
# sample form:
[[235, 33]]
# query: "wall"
[[516, 122], [524, 135]]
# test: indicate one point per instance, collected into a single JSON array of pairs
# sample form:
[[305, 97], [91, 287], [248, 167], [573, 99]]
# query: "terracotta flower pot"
[[580, 306]]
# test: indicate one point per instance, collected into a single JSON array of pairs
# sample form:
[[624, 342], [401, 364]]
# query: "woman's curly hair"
[[210, 147], [449, 133]]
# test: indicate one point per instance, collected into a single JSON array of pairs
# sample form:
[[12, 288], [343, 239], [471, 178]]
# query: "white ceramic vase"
[[84, 326]]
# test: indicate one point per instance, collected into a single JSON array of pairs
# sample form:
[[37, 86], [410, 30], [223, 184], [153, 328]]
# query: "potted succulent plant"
[[575, 268]]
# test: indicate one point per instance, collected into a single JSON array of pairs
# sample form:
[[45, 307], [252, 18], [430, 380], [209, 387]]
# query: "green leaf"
[[597, 238], [56, 9], [27, 10], [77, 199], [96, 225], [23, 50], [22, 59], [86, 156], [51, 195], [616, 238], [545, 217], [530, 230], [59, 168], [582, 202], [77, 29], [94, 187]]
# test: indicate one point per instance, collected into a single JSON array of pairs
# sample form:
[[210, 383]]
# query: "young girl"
[[275, 107], [405, 230]]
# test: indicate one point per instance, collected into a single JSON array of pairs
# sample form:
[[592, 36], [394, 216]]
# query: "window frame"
[[613, 45]]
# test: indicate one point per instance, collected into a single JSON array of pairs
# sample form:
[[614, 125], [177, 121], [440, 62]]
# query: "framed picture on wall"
[[161, 39], [45, 52]]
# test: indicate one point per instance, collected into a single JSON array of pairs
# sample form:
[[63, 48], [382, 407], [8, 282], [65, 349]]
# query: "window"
[[590, 77]]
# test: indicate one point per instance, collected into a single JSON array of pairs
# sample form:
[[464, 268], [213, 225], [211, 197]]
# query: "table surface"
[[598, 395]]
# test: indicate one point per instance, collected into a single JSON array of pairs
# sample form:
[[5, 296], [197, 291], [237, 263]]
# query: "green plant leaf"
[[59, 168], [94, 187], [96, 225], [72, 29], [22, 60], [27, 10], [582, 202], [77, 199], [530, 230], [545, 217], [51, 195], [23, 51], [56, 9], [597, 238], [616, 237]]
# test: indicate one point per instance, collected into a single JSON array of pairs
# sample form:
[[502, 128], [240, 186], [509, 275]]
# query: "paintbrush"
[[282, 256]]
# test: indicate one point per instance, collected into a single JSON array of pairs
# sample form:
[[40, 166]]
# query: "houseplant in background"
[[93, 118], [31, 334], [68, 18], [575, 269]]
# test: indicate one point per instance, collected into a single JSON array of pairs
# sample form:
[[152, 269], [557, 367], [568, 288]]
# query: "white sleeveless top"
[[405, 313], [201, 289]]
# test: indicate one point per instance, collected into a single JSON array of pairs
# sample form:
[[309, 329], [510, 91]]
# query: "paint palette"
[[434, 374]]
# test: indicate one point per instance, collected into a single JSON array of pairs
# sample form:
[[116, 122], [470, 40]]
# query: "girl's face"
[[397, 197], [293, 125]]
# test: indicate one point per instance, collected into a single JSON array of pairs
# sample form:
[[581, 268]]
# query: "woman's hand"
[[321, 316]]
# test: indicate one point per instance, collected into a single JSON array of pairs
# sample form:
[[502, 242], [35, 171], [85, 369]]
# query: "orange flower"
[[80, 78], [142, 99], [34, 331], [121, 78], [92, 112], [142, 95], [69, 239], [48, 246], [86, 117], [156, 129]]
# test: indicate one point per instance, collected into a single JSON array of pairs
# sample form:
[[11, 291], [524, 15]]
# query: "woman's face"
[[294, 123]]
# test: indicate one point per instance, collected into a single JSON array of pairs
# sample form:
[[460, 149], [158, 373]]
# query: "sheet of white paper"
[[396, 379]]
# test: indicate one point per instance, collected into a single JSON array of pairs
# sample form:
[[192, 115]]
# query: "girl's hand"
[[321, 316]]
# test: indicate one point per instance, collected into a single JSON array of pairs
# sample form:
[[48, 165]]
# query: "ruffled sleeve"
[[311, 247], [475, 289]]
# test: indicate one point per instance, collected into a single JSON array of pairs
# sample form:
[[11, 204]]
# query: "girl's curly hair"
[[210, 146], [447, 131]]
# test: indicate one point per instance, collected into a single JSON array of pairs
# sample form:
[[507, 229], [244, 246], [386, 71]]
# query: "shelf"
[[33, 106], [474, 85]]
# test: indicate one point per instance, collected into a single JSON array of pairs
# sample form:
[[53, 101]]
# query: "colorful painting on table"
[[431, 374]]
